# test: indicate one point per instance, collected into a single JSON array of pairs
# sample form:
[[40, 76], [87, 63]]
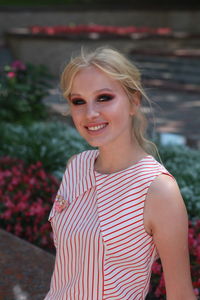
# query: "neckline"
[[121, 171]]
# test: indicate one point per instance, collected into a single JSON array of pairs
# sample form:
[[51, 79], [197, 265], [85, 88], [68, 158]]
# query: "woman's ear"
[[135, 102]]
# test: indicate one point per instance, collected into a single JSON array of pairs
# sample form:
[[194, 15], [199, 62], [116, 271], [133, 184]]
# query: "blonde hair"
[[120, 68]]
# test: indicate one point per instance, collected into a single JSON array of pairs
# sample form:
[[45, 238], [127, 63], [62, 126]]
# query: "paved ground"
[[25, 269]]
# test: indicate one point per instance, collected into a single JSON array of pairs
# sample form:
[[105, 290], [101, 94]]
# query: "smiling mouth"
[[96, 127]]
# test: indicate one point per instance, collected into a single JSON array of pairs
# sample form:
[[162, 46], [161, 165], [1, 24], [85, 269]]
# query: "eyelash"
[[76, 101]]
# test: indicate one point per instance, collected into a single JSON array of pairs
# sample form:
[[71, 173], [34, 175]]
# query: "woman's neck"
[[114, 159]]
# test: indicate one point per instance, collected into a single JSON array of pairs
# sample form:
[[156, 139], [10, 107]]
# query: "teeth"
[[97, 127]]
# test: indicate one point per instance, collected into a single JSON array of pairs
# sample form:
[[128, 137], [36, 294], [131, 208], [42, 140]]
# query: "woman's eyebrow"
[[105, 89], [97, 91], [71, 95]]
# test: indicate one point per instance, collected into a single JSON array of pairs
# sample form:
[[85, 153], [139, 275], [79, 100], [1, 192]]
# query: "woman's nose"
[[92, 111]]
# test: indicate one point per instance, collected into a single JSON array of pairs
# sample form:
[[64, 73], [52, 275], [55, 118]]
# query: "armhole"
[[165, 172], [70, 160]]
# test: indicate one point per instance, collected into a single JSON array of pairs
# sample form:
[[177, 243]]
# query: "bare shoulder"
[[164, 190], [166, 219], [164, 203]]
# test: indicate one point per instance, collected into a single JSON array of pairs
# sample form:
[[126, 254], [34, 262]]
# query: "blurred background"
[[37, 38]]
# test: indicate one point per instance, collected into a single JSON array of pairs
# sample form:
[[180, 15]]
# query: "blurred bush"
[[184, 164], [52, 143], [22, 88]]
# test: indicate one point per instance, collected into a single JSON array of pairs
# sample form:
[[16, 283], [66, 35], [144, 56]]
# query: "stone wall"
[[54, 52], [177, 20]]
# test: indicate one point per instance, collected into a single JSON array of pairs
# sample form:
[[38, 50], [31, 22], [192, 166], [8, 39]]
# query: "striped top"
[[103, 251]]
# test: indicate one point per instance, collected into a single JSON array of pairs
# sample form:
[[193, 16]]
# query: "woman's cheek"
[[77, 118]]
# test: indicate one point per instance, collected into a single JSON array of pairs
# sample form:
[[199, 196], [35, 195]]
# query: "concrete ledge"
[[25, 269], [54, 51], [178, 20]]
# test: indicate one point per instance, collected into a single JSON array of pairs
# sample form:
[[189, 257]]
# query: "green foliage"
[[22, 88], [184, 165], [51, 143]]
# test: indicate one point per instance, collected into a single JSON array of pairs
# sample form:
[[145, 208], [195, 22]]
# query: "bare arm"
[[167, 219]]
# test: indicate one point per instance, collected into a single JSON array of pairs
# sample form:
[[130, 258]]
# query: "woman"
[[117, 209]]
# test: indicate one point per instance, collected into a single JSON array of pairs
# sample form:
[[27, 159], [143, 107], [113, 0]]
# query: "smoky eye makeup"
[[77, 101], [105, 97], [100, 98]]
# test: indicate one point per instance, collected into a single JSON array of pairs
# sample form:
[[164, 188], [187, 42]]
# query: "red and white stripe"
[[103, 251]]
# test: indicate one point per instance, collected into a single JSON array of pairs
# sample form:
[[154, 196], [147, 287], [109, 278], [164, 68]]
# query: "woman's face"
[[100, 108]]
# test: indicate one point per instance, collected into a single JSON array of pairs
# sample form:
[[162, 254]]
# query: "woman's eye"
[[105, 98], [77, 101]]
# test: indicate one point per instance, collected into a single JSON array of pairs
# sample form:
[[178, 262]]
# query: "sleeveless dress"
[[102, 249]]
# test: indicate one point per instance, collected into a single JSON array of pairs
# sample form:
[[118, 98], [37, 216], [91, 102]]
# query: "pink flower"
[[198, 253], [156, 268], [35, 29], [41, 173], [9, 228], [11, 74], [191, 238], [32, 182], [25, 200], [18, 229], [7, 173], [160, 290], [44, 228], [196, 291], [44, 240], [9, 204], [21, 206], [15, 181], [94, 28], [18, 65], [6, 215], [37, 210], [39, 164]]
